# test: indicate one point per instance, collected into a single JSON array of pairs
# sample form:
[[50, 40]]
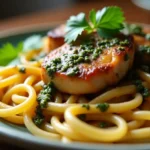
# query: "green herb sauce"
[[141, 89], [102, 107], [87, 106], [87, 52], [22, 70], [144, 49], [45, 96]]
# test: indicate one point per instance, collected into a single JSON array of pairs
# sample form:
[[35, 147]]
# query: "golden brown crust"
[[105, 71], [96, 66], [55, 39]]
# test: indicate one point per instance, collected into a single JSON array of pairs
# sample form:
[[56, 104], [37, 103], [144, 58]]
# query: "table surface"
[[132, 14]]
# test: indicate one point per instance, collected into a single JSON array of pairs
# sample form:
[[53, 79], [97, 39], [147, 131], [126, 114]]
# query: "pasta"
[[128, 118]]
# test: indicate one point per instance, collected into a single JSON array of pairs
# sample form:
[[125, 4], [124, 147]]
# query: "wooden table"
[[132, 13]]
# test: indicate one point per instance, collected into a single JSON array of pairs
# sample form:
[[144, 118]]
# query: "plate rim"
[[28, 28], [25, 142]]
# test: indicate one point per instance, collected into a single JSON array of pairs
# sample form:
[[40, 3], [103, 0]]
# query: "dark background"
[[11, 8]]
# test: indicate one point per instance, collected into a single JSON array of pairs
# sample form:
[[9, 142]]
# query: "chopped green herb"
[[82, 116], [73, 72], [22, 70], [52, 67], [39, 117], [87, 52], [46, 94], [138, 84], [146, 92], [106, 22], [87, 106], [124, 43], [144, 49], [121, 48], [140, 88], [102, 107], [8, 52]]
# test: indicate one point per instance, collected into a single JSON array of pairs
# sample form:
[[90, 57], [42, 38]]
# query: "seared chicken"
[[54, 39], [109, 67]]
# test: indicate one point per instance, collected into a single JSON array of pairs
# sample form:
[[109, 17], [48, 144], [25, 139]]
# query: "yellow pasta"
[[126, 119], [116, 112]]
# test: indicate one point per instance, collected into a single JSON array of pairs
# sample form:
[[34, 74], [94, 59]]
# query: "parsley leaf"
[[107, 22], [92, 17], [110, 18], [75, 26], [8, 52]]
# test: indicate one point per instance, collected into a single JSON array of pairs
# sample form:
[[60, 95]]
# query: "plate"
[[18, 135]]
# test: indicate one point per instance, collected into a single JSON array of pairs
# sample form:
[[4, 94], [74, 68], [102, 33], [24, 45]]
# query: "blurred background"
[[10, 8], [14, 13]]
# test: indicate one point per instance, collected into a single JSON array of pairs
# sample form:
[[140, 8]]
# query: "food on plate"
[[86, 81]]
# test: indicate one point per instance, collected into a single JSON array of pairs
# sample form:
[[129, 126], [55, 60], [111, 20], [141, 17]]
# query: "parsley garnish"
[[46, 94], [140, 88], [8, 52], [87, 106], [106, 22], [144, 49], [22, 70], [82, 117], [39, 117], [102, 107]]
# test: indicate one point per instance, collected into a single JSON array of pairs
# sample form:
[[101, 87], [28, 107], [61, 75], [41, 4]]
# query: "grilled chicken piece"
[[55, 39], [107, 69]]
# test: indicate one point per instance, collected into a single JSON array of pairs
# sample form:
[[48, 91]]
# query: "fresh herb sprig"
[[105, 22], [8, 52]]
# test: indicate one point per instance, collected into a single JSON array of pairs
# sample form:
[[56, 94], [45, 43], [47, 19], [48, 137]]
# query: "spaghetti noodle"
[[127, 120], [115, 114]]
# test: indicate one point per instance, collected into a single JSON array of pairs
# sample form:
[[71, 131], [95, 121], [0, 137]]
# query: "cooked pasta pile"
[[125, 118]]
